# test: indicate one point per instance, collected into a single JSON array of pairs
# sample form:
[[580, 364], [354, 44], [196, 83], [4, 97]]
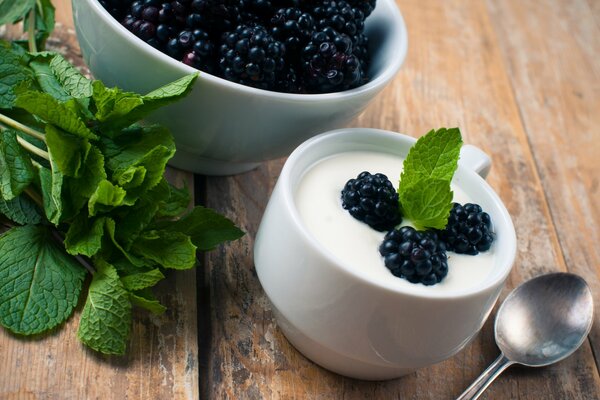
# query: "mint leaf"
[[169, 249], [12, 73], [106, 197], [113, 103], [177, 202], [92, 172], [132, 259], [424, 190], [105, 321], [16, 170], [434, 155], [85, 235], [69, 151], [427, 203], [51, 185], [76, 85], [12, 11], [138, 149], [51, 110], [147, 300], [45, 78], [142, 280], [133, 221], [119, 109], [39, 283], [21, 210], [44, 21], [206, 228]]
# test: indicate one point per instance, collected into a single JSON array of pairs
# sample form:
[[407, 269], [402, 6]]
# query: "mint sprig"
[[82, 192], [424, 190]]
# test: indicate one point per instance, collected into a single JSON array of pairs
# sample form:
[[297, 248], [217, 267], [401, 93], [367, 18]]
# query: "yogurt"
[[353, 242]]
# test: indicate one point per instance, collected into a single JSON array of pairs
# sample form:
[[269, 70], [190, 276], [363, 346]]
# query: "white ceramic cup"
[[352, 324]]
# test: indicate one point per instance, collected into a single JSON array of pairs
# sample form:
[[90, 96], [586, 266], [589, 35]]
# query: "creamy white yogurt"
[[354, 243]]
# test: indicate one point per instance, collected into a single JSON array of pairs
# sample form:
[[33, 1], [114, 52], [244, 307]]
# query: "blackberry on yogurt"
[[417, 256], [468, 230], [373, 200]]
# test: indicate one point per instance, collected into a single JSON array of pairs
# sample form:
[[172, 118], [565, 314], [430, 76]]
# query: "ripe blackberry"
[[328, 64], [293, 27], [366, 6], [213, 16], [468, 230], [360, 48], [289, 82], [416, 256], [340, 16], [373, 200], [251, 56], [202, 52], [117, 8]]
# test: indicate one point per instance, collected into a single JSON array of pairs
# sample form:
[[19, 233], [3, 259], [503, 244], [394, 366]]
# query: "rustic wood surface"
[[522, 80]]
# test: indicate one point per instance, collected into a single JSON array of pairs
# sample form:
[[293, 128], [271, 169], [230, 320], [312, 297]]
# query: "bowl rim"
[[387, 73], [285, 180]]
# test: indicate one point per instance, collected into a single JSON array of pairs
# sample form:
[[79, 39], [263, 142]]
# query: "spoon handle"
[[483, 381]]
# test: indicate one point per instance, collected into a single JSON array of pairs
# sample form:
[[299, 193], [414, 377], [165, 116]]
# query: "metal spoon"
[[541, 322]]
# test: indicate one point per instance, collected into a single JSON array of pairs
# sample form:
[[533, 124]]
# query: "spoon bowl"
[[542, 321], [545, 319]]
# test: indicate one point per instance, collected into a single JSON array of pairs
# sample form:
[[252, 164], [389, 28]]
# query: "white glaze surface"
[[356, 244]]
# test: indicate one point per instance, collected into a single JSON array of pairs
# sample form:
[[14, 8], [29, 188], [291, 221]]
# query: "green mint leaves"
[[105, 320], [424, 190], [83, 194], [39, 283]]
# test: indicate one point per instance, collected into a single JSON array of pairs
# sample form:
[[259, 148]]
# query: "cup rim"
[[285, 180], [387, 73]]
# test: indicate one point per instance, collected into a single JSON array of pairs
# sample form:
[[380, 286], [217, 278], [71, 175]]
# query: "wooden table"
[[522, 81]]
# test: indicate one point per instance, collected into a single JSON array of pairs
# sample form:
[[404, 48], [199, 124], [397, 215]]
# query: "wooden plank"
[[162, 358], [454, 76], [555, 73]]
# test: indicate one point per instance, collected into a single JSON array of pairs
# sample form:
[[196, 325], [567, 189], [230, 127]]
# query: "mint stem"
[[31, 31], [34, 196], [32, 149], [82, 260], [23, 128]]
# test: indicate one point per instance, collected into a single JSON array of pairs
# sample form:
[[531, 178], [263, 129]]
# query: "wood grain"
[[455, 75], [558, 92], [162, 358]]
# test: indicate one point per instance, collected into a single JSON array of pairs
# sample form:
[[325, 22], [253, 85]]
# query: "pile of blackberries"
[[295, 46]]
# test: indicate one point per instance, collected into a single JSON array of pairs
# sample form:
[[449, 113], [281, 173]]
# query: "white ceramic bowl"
[[353, 323], [222, 127]]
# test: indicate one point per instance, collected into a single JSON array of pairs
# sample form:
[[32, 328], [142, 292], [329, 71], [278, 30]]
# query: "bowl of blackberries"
[[272, 73]]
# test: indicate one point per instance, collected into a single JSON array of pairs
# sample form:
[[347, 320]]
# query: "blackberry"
[[372, 199], [214, 16], [117, 8], [340, 16], [251, 56], [365, 6], [360, 48], [144, 20], [468, 230], [202, 52], [289, 82], [328, 65], [293, 27], [417, 256]]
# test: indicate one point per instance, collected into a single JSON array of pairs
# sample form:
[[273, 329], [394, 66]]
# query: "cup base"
[[334, 361], [206, 166]]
